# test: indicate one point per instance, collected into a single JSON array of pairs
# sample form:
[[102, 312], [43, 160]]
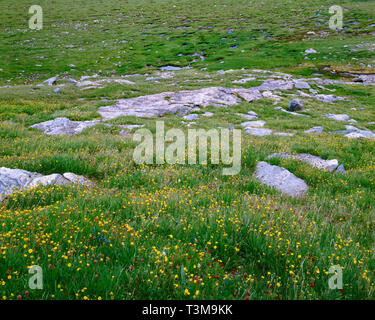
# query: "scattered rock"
[[355, 133], [242, 81], [57, 90], [338, 117], [280, 179], [254, 124], [328, 98], [64, 126], [315, 130], [283, 134], [247, 116], [192, 116], [258, 131]]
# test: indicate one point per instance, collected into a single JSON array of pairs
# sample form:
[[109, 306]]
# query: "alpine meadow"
[[272, 199]]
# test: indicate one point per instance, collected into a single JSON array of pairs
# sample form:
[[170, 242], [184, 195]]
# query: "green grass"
[[183, 232]]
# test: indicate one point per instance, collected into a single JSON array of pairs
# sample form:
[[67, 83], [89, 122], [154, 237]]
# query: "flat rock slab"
[[260, 132], [271, 85], [248, 95], [329, 98], [315, 130], [254, 124], [280, 179], [247, 116], [181, 102], [64, 126], [355, 133], [315, 161], [338, 117], [12, 180], [291, 112]]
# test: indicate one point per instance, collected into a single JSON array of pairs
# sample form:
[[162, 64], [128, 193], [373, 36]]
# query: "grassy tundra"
[[180, 231]]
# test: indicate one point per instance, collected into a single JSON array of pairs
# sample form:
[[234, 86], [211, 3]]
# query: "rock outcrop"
[[12, 180]]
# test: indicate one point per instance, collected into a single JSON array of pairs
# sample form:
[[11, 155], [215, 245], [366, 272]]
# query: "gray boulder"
[[296, 105], [280, 179]]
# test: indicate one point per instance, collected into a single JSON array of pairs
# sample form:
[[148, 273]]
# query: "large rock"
[[315, 161], [64, 126], [12, 180], [181, 102], [280, 179], [271, 85], [355, 133]]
